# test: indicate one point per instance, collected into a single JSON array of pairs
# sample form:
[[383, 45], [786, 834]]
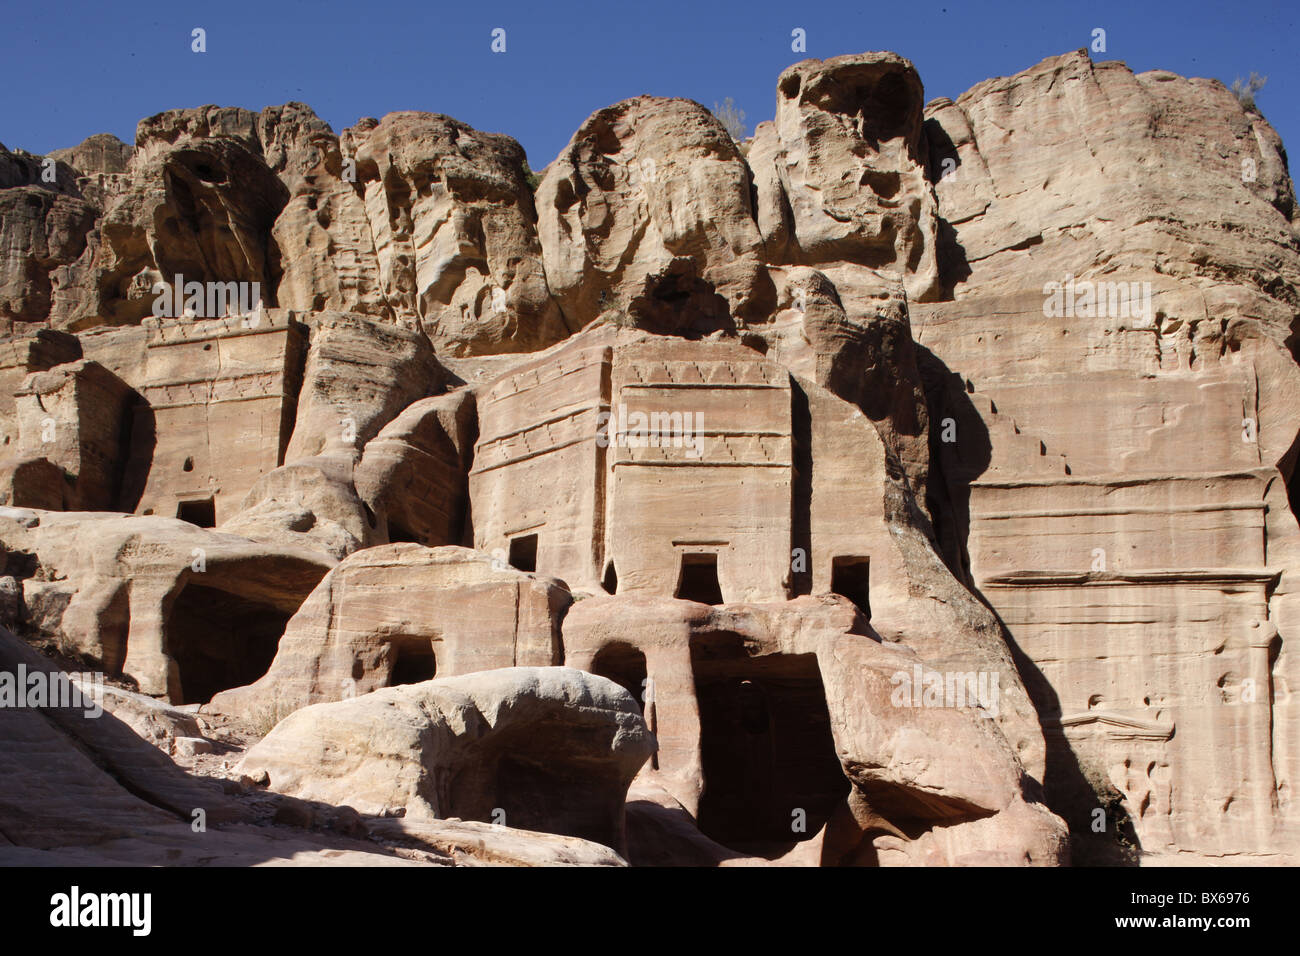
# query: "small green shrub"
[[531, 178]]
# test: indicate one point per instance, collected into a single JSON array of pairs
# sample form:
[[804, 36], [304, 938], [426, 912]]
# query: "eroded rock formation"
[[399, 614], [1121, 485], [538, 748], [917, 481]]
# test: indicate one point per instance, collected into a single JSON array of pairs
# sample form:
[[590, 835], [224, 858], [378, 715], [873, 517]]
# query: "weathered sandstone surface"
[[912, 484], [538, 748], [182, 611], [1121, 488], [94, 793], [401, 613]]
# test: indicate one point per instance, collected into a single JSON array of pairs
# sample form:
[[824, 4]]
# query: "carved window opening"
[[625, 666], [414, 661], [523, 552], [851, 578], [698, 580], [201, 512]]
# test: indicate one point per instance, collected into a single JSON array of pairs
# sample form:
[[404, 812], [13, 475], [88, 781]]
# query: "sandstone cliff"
[[918, 480]]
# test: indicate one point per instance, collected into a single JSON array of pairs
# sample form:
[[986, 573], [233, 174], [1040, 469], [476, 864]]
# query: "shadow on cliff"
[[960, 452], [1067, 789], [943, 160], [140, 439]]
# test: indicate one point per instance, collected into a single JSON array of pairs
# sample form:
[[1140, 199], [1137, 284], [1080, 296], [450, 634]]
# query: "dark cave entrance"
[[523, 552], [413, 661], [851, 578], [220, 640], [766, 746], [625, 666], [201, 512], [698, 579]]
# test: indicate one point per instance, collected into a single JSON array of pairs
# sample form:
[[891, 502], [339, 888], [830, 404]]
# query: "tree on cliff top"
[[731, 118]]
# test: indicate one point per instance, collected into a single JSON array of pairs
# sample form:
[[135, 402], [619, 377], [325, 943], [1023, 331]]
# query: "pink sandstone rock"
[[769, 433], [402, 613]]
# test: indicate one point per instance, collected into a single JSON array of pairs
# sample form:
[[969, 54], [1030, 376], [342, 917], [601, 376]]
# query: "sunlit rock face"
[[916, 480], [1125, 435]]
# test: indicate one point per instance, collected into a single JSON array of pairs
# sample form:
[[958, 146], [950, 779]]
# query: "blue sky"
[[99, 67]]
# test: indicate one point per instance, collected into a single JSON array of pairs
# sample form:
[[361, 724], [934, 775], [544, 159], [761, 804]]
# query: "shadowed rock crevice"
[[960, 451]]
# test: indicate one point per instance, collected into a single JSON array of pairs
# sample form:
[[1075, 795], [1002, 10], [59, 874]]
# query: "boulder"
[[310, 503], [81, 788], [539, 748]]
